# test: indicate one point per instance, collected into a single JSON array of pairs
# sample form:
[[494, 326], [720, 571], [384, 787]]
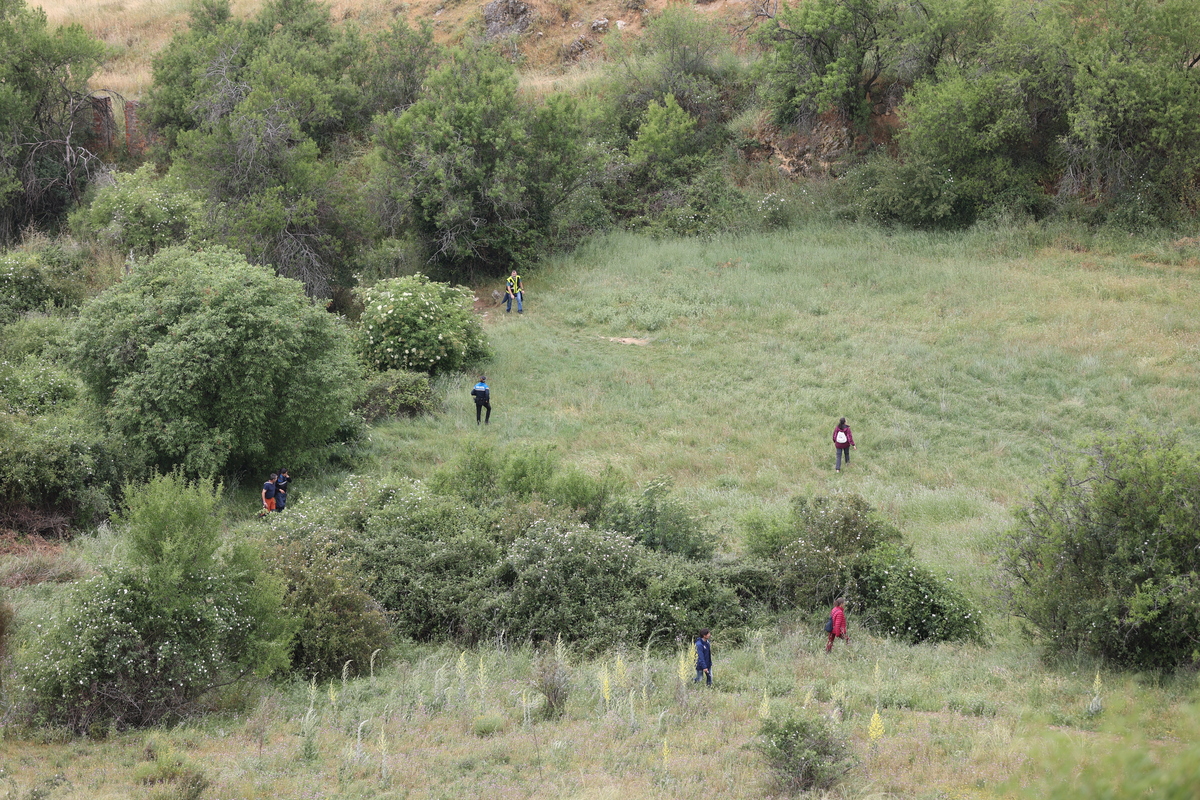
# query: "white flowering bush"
[[413, 323], [905, 600], [141, 212], [180, 615], [39, 280]]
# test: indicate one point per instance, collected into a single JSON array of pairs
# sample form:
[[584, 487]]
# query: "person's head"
[[274, 475], [514, 273], [842, 422], [704, 633], [483, 378], [841, 601], [284, 472]]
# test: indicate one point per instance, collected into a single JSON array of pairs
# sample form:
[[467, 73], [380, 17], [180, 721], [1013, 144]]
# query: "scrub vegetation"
[[967, 227]]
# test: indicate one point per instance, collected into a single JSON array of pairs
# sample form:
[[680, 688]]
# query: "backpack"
[[829, 623], [840, 437]]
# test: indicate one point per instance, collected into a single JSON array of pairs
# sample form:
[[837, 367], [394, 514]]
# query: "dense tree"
[[211, 364], [45, 117], [254, 112], [479, 170], [1104, 559]]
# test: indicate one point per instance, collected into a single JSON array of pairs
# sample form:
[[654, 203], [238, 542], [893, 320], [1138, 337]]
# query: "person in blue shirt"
[[281, 489], [483, 399], [704, 657]]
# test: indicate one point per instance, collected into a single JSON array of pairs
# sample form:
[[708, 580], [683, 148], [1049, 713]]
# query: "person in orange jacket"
[[837, 624]]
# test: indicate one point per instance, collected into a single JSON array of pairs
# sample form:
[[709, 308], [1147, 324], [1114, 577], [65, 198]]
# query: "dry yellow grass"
[[137, 29]]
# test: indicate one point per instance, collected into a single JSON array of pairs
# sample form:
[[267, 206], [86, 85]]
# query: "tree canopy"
[[205, 362]]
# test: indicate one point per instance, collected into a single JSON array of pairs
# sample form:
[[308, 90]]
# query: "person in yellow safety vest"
[[513, 289]]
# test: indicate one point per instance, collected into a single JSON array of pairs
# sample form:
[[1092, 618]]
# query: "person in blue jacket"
[[483, 399], [704, 657]]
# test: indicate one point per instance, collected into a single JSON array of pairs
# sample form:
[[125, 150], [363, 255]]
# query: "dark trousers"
[[840, 452], [479, 408], [701, 674]]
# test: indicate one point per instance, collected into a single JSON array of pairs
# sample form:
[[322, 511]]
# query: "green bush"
[[816, 544], [33, 386], [916, 192], [804, 753], [37, 281], [414, 323], [427, 556], [338, 621], [58, 461], [46, 336], [568, 580], [908, 601], [396, 393], [600, 588], [660, 522], [205, 362], [1104, 558], [140, 213], [180, 616]]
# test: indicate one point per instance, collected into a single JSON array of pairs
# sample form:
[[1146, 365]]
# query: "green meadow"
[[965, 363]]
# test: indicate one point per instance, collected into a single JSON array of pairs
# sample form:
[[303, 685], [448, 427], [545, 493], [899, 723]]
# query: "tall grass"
[[964, 363], [955, 721]]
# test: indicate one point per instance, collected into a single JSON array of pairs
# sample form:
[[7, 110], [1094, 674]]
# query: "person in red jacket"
[[838, 617], [843, 440]]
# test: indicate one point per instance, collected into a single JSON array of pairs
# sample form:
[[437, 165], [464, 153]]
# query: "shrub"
[[816, 544], [396, 393], [205, 362], [552, 678], [660, 522], [179, 617], [33, 386], [804, 753], [599, 588], [338, 621], [34, 281], [414, 323], [567, 580], [908, 601], [139, 213], [57, 461], [1104, 558], [917, 192], [427, 556]]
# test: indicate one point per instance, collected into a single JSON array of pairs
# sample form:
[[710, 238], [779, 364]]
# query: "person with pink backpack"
[[843, 440]]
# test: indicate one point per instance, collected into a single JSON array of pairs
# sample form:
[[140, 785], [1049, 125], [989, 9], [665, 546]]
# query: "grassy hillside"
[[136, 30], [964, 364]]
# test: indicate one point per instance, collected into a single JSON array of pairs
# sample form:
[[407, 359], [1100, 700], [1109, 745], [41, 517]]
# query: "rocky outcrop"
[[504, 18]]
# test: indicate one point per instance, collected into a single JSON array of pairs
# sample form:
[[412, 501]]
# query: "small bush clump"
[[660, 522], [909, 602], [1104, 559], [339, 621], [396, 393], [803, 753], [413, 323], [178, 617]]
